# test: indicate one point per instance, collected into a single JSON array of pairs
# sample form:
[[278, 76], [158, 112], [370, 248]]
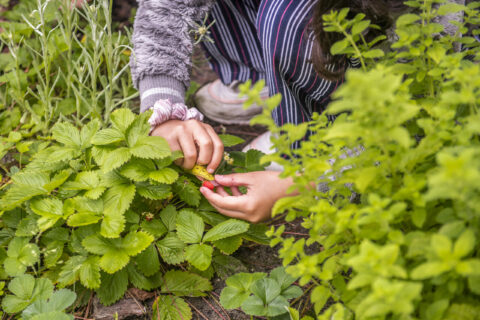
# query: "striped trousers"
[[271, 40]]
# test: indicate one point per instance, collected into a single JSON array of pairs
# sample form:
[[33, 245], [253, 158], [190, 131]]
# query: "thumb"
[[234, 179]]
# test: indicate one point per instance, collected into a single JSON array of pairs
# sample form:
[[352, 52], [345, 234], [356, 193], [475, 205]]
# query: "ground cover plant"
[[106, 208], [89, 202], [390, 189]]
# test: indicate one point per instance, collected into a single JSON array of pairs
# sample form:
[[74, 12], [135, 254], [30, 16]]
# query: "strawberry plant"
[[390, 189], [102, 209], [259, 295]]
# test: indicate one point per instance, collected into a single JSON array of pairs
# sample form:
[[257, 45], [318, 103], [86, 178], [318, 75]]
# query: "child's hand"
[[197, 140], [264, 188]]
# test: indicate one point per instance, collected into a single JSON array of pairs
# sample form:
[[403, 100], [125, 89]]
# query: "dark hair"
[[377, 11]]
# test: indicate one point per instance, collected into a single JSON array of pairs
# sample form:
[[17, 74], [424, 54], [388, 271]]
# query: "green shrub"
[[400, 222]]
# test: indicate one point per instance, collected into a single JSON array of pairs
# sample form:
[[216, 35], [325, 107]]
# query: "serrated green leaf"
[[229, 245], [112, 225], [282, 277], [116, 201], [107, 136], [57, 180], [113, 287], [89, 273], [229, 141], [168, 307], [116, 253], [47, 207], [16, 195], [70, 271], [155, 227], [26, 290], [138, 169], [142, 282], [88, 131], [60, 154], [111, 158], [154, 191], [122, 119], [84, 181], [113, 261], [238, 287], [171, 249], [22, 286], [66, 134], [151, 147], [53, 307], [253, 305], [83, 219], [21, 254], [169, 217], [95, 193], [226, 229], [164, 175], [190, 226], [181, 283], [187, 191], [32, 178], [147, 261], [266, 289], [139, 128], [99, 245], [27, 227], [136, 242], [53, 252], [199, 255]]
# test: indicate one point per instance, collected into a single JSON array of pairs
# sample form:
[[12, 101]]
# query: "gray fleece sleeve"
[[163, 46]]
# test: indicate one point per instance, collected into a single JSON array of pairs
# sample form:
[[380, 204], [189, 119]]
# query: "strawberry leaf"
[[189, 226], [181, 283], [226, 229], [199, 255]]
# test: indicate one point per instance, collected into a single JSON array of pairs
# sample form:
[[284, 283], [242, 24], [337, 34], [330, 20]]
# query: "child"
[[281, 41]]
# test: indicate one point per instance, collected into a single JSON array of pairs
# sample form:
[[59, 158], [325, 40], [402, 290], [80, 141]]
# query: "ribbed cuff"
[[154, 88]]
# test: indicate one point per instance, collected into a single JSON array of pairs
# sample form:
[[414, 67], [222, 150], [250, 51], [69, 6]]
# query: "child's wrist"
[[164, 110]]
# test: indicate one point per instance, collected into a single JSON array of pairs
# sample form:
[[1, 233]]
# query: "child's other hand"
[[197, 140], [264, 188]]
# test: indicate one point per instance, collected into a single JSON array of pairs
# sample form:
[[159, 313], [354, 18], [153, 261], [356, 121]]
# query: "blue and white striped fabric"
[[271, 40]]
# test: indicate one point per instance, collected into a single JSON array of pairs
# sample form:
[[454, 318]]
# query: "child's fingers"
[[230, 213], [234, 179], [217, 155], [235, 191], [205, 146], [189, 152], [224, 202], [222, 192]]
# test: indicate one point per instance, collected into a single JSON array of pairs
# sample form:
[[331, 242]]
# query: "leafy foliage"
[[396, 210], [259, 295], [109, 222]]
